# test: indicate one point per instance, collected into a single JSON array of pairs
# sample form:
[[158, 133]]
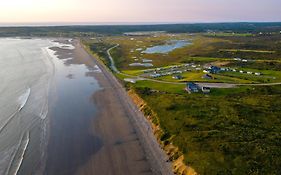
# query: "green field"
[[228, 131], [244, 50]]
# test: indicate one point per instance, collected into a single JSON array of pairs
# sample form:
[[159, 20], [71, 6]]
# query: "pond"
[[170, 46]]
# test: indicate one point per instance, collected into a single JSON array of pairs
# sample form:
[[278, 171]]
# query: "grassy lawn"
[[244, 50], [163, 87], [197, 77], [133, 72], [267, 76], [273, 65], [204, 59]]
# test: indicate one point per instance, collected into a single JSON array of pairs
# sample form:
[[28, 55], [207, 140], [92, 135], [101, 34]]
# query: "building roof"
[[207, 76], [206, 89], [192, 86]]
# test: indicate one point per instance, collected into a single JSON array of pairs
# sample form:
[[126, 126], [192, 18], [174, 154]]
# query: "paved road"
[[112, 63]]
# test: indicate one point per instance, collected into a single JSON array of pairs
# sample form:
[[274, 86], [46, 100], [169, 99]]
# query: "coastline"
[[109, 140], [141, 128], [178, 165], [176, 157]]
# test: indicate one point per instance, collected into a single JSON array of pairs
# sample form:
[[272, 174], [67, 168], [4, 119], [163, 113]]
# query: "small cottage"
[[177, 77], [207, 76], [215, 70], [192, 87]]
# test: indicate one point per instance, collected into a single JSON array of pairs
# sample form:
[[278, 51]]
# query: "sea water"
[[28, 68], [25, 74]]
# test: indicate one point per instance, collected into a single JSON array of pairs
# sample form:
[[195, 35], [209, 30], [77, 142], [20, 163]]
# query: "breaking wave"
[[44, 111], [22, 150], [7, 121], [23, 98], [18, 155], [63, 46], [97, 69]]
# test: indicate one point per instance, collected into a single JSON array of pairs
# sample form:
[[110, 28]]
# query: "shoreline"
[[110, 139], [179, 167], [137, 118]]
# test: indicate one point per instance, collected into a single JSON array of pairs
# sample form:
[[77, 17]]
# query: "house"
[[192, 87], [155, 75], [177, 77], [215, 69], [207, 76], [257, 73], [207, 66], [206, 90]]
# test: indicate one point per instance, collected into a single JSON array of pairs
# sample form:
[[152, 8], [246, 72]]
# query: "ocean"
[[34, 84]]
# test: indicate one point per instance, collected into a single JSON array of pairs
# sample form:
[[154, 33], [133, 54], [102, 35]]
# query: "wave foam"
[[63, 46], [23, 148], [18, 155], [8, 121], [97, 69], [44, 112], [23, 98]]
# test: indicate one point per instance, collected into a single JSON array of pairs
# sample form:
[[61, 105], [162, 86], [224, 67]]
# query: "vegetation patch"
[[230, 132], [244, 50]]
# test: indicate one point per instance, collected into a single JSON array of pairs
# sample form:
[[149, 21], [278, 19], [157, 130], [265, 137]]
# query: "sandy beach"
[[113, 138]]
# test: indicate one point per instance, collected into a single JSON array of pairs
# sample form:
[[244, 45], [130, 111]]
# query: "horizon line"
[[61, 24]]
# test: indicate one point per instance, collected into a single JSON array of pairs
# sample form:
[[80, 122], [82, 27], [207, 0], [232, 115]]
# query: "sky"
[[138, 11]]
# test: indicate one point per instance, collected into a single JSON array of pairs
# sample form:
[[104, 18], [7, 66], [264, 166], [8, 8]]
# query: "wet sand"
[[113, 139]]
